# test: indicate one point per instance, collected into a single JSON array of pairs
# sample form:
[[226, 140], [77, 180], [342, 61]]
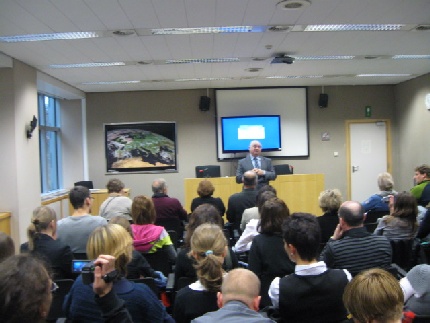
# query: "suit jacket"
[[237, 203], [232, 312], [245, 164]]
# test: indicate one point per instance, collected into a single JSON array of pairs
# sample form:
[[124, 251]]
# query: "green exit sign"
[[368, 111]]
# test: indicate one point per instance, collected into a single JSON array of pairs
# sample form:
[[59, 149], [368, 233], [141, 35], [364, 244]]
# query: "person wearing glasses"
[[74, 230]]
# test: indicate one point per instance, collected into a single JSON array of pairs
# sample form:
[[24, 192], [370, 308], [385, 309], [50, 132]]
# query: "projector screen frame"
[[289, 102]]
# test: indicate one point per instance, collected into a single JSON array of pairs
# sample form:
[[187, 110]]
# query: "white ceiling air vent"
[[253, 69], [124, 32], [292, 4], [422, 28], [280, 28]]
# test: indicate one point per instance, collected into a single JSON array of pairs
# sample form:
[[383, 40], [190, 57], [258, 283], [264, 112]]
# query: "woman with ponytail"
[[43, 243], [208, 248]]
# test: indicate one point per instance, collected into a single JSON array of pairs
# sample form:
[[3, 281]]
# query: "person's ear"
[[256, 303], [219, 299]]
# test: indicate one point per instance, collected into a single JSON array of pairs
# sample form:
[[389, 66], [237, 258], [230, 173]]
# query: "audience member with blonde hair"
[[329, 202], [205, 190], [402, 223], [141, 302], [7, 246], [117, 204], [374, 296], [208, 247], [184, 267], [43, 243], [147, 236], [238, 300], [386, 187]]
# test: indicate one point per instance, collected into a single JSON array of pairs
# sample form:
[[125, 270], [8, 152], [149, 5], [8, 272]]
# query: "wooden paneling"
[[5, 222]]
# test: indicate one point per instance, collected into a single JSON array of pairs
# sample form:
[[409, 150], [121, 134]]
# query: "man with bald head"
[[238, 300], [238, 202], [261, 166], [352, 247]]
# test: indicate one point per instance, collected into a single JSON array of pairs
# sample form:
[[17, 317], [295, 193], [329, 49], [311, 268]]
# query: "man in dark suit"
[[238, 202], [260, 165]]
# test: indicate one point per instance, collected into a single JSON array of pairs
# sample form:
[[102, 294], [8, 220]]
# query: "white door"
[[368, 146]]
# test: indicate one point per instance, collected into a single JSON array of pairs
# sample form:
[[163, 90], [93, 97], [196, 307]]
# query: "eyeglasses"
[[54, 287]]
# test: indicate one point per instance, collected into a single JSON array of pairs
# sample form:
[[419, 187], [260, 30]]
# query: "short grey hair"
[[159, 185], [385, 182]]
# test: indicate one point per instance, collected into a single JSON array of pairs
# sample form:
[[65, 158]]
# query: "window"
[[50, 143]]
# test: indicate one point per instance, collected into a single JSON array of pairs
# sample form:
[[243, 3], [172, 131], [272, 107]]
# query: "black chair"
[[159, 261], [87, 184], [403, 253], [425, 253], [373, 216], [150, 282], [174, 224], [56, 310], [283, 169], [421, 319], [80, 255], [174, 237], [184, 282]]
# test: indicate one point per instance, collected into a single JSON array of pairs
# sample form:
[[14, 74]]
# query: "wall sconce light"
[[30, 128]]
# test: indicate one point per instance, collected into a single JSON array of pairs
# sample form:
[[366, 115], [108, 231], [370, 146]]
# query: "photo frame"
[[141, 147]]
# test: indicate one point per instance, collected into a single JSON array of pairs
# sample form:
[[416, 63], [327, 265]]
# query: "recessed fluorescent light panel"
[[87, 65], [364, 27], [112, 82], [312, 58], [294, 77], [383, 75], [202, 60], [208, 30], [205, 79], [411, 57], [55, 36]]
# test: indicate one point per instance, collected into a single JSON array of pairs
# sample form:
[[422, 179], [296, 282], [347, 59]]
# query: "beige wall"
[[196, 131]]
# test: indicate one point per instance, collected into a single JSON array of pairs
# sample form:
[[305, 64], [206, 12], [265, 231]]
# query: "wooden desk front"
[[99, 197], [5, 222], [299, 191]]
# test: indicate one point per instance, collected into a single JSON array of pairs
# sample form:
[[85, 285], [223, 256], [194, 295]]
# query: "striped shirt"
[[357, 250]]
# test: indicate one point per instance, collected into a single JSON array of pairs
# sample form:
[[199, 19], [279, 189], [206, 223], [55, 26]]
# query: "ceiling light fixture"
[[292, 4], [316, 58], [202, 60], [383, 75], [362, 27], [208, 30], [83, 65], [54, 36], [109, 82], [411, 57]]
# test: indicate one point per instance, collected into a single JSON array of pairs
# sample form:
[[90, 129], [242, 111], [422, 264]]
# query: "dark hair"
[[303, 231], [143, 210], [24, 289], [204, 213], [273, 214], [352, 213], [262, 198], [423, 169], [205, 188], [405, 207], [266, 188], [77, 196], [7, 247], [115, 185]]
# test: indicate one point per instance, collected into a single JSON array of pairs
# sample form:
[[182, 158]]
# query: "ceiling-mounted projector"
[[284, 59]]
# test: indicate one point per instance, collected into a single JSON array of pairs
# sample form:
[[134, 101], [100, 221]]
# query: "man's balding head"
[[352, 213], [250, 178], [240, 285]]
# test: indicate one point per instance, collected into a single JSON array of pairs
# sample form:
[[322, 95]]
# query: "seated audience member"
[[421, 179], [376, 202], [43, 243], [117, 204], [208, 247], [424, 228], [7, 247], [238, 300], [244, 242], [374, 296], [401, 224], [313, 293], [148, 238], [166, 207], [25, 289], [143, 305], [75, 229], [267, 258], [238, 202], [205, 191], [416, 289], [329, 202], [138, 267], [184, 267], [252, 212], [353, 248]]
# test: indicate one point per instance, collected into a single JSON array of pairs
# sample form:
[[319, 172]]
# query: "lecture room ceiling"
[[159, 44]]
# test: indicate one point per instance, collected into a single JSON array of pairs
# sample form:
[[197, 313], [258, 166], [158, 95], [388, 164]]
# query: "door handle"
[[355, 169]]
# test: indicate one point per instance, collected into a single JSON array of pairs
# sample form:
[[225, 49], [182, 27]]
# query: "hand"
[[338, 232], [104, 264]]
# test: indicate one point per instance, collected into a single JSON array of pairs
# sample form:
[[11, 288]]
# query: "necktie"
[[256, 163]]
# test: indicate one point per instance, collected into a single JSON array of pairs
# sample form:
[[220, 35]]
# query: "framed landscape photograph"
[[140, 147]]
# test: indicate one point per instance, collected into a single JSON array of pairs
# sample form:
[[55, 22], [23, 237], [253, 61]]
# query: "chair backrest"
[[87, 184], [373, 216], [150, 282], [174, 237], [402, 253], [184, 282], [425, 253], [421, 319], [283, 169], [208, 171], [172, 224], [56, 310], [159, 261], [80, 255]]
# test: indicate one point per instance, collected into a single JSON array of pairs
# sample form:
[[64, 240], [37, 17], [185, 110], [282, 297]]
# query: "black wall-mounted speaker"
[[323, 100], [205, 103]]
